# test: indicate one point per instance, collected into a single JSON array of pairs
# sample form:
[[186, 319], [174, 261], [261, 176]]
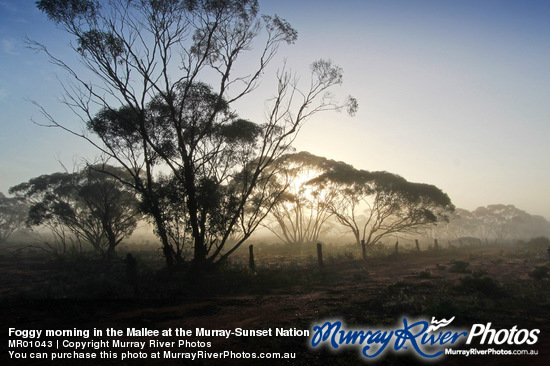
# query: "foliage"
[[539, 273], [483, 285], [13, 213], [91, 205], [498, 223], [390, 203], [301, 215], [461, 227], [457, 266], [425, 273], [539, 241], [151, 60], [502, 222]]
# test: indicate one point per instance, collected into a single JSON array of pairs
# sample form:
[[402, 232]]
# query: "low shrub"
[[539, 273], [479, 284], [459, 266]]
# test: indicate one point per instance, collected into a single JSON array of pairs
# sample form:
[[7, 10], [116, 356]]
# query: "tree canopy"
[[495, 222], [372, 205], [166, 76], [390, 203], [302, 213], [13, 213], [92, 205]]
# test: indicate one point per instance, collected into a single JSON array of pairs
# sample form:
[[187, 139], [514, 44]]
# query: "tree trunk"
[[251, 263], [199, 251], [167, 249], [357, 237], [112, 241]]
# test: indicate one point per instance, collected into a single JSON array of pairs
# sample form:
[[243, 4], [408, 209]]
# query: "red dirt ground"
[[363, 294]]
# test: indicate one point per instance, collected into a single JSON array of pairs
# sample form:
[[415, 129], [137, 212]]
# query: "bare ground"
[[367, 294]]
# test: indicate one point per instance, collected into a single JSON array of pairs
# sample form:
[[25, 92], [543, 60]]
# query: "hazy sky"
[[452, 93]]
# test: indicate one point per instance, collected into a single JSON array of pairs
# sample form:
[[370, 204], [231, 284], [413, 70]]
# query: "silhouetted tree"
[[501, 222], [13, 213], [112, 202], [151, 60], [493, 222], [391, 204], [301, 215], [90, 205], [462, 227]]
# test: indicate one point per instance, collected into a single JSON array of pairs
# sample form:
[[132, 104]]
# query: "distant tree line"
[[491, 224], [95, 207]]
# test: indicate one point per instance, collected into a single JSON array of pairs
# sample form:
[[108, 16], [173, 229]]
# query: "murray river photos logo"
[[425, 339]]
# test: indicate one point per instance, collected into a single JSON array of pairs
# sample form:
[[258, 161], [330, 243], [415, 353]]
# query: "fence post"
[[436, 245], [417, 245], [251, 263], [320, 254], [364, 249]]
